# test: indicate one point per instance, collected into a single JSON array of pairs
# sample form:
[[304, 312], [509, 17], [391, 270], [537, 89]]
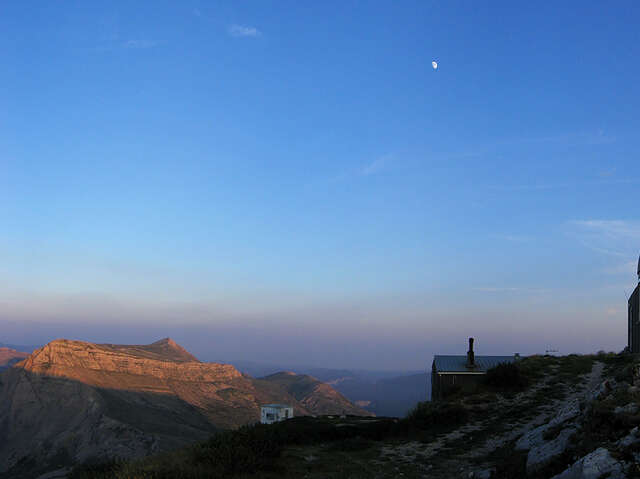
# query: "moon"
[[434, 64]]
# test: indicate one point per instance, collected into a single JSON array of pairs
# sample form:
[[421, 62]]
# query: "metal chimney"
[[471, 359]]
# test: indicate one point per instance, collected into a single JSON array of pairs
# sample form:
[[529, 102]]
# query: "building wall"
[[269, 415], [443, 384], [634, 321]]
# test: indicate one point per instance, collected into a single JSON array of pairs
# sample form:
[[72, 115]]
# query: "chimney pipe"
[[471, 360]]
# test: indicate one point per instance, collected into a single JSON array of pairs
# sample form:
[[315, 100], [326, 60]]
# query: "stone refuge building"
[[270, 413], [454, 373], [634, 317]]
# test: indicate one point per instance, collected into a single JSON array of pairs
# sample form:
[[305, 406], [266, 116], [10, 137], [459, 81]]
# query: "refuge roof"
[[450, 364]]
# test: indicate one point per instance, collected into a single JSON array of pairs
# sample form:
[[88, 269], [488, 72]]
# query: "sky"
[[294, 182]]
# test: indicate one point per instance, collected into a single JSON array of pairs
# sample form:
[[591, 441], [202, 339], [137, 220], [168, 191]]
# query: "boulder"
[[540, 455], [535, 437], [630, 439], [603, 390], [594, 466], [531, 439], [569, 410], [631, 408], [481, 474], [57, 474]]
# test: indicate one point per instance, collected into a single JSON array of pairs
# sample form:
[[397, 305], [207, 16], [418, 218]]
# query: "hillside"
[[74, 401], [546, 417]]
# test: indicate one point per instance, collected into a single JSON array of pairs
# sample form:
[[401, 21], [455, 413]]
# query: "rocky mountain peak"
[[170, 348]]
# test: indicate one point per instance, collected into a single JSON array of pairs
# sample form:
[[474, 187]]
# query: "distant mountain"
[[328, 375], [384, 393], [313, 394], [71, 400], [20, 347], [386, 397], [9, 356]]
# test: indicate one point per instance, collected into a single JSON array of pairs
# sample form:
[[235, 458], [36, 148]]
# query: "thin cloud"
[[243, 31], [568, 139], [613, 229], [608, 173], [610, 237], [369, 169], [626, 268], [376, 166], [565, 185], [497, 290], [491, 289], [139, 44], [514, 238]]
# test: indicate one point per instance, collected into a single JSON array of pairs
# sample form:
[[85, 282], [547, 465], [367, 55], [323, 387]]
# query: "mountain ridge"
[[134, 400]]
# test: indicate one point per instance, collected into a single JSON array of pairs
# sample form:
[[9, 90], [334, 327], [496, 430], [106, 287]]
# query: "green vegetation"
[[259, 448], [564, 368]]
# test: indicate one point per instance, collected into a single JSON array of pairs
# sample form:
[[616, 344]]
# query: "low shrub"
[[434, 415], [351, 444], [506, 376], [245, 451]]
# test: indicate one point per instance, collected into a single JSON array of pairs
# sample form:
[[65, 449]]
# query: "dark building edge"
[[634, 321]]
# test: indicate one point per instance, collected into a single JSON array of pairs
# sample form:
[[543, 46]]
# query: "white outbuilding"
[[270, 413]]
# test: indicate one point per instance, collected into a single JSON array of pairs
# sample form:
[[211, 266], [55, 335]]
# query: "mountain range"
[[73, 401], [384, 393]]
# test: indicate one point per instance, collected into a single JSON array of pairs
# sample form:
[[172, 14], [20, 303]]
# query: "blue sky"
[[289, 181]]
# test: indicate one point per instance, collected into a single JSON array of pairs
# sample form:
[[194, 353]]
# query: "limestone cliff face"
[[80, 400], [125, 367]]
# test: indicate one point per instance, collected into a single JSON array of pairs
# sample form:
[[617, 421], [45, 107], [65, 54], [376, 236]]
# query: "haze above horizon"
[[296, 183]]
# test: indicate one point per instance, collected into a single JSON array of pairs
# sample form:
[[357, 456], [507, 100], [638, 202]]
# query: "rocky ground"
[[562, 427]]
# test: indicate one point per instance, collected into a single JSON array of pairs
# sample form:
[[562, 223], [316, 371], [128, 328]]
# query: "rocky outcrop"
[[595, 465], [544, 452], [125, 367], [550, 440], [600, 421], [80, 400]]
